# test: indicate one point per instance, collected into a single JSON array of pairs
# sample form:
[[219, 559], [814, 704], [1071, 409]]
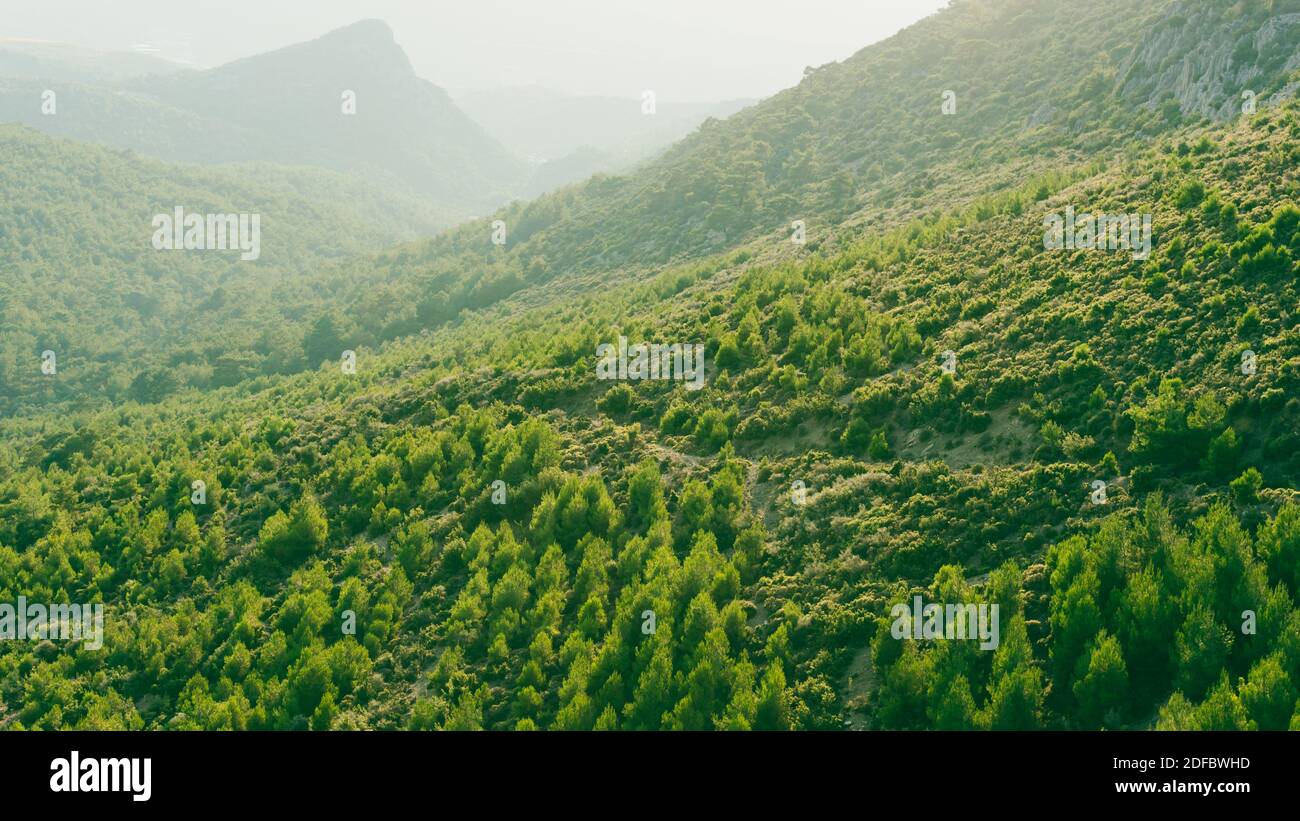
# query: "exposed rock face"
[[1207, 56]]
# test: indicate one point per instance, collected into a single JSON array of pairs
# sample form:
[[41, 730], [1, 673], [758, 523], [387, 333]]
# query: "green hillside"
[[82, 278], [860, 145], [473, 530]]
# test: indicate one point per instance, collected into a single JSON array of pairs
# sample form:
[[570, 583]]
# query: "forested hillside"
[[473, 530], [858, 145], [803, 154], [81, 277]]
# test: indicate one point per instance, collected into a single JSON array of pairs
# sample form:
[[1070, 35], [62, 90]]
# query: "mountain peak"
[[371, 31]]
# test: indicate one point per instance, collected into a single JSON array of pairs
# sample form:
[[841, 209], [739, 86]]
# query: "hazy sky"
[[683, 49]]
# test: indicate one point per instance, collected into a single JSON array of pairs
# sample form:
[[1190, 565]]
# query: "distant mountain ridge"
[[572, 137], [287, 106], [541, 124], [40, 60]]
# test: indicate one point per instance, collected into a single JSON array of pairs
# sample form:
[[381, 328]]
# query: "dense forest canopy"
[[471, 529]]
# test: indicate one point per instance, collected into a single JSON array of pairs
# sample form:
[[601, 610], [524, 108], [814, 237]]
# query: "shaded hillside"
[[82, 277]]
